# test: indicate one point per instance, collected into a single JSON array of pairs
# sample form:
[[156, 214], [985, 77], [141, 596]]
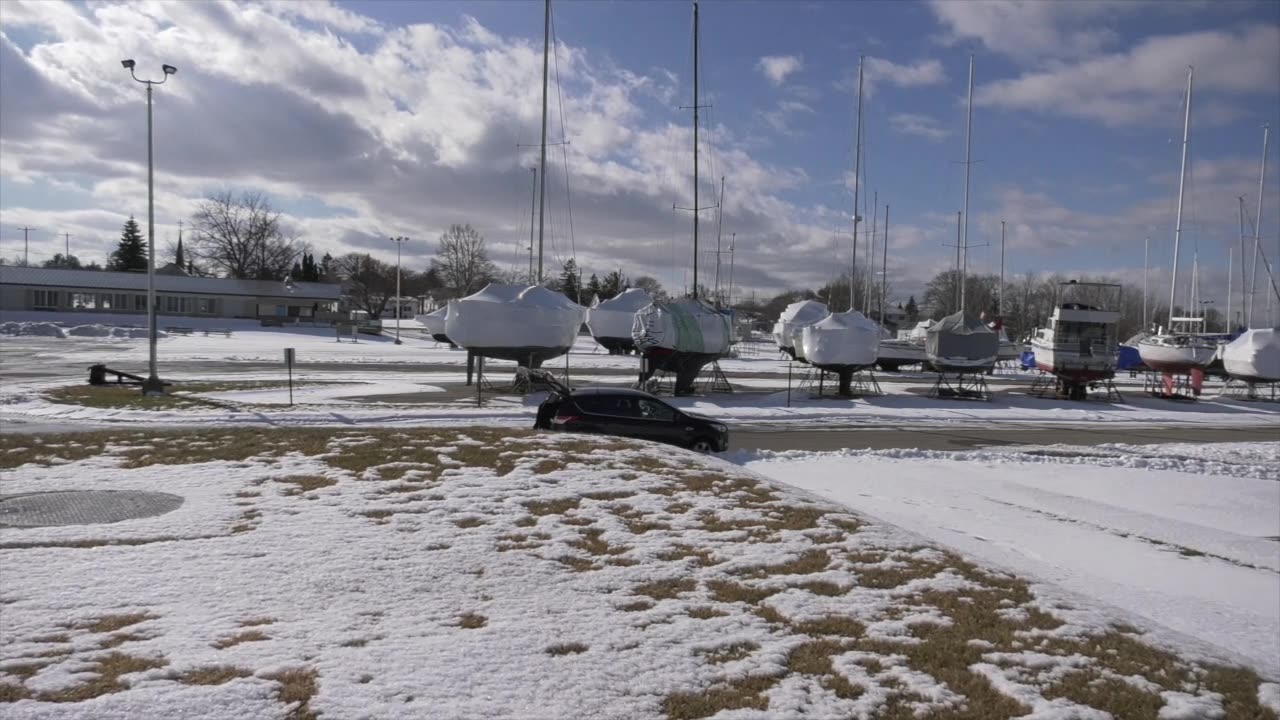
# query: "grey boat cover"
[[961, 336]]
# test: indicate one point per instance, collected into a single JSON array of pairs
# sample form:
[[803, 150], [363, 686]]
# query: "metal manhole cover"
[[83, 507]]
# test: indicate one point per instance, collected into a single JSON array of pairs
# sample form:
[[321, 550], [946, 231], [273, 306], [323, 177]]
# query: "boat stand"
[[716, 381], [1252, 391], [1048, 385], [822, 383], [1168, 386], [966, 386]]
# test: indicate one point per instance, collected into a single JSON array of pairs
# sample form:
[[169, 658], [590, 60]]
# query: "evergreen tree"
[[612, 285], [131, 253], [570, 282], [593, 289], [913, 312]]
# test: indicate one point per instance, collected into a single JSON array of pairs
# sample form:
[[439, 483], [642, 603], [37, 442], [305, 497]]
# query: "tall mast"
[[1231, 257], [695, 149], [857, 185], [956, 297], [884, 265], [1182, 179], [968, 147], [719, 230], [871, 253], [533, 204], [1257, 232], [1244, 286], [542, 160], [1146, 265], [1000, 306]]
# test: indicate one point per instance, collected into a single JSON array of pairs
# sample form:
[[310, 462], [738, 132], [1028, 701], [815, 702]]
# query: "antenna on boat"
[[857, 185], [1182, 178], [542, 159]]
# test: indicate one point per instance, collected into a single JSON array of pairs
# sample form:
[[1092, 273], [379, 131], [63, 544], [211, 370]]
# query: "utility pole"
[[67, 253], [399, 241], [26, 247]]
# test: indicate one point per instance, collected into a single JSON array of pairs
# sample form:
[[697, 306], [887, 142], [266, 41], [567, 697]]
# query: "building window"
[[84, 301], [45, 299], [207, 306], [104, 301], [140, 303], [170, 304]]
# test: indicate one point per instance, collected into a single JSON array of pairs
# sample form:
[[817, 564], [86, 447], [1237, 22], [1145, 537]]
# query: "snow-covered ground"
[[1187, 536], [486, 574]]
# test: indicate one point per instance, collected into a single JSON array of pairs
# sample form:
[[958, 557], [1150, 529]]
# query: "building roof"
[[137, 281]]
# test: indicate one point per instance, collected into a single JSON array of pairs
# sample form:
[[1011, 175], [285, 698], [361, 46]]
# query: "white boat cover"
[[514, 316], [919, 332], [1255, 355], [961, 337], [846, 338], [797, 315], [434, 321], [691, 326], [615, 317]]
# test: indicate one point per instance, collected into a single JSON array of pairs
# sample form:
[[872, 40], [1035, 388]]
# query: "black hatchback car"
[[630, 413]]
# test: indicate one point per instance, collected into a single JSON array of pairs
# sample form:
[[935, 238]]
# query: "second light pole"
[[152, 385], [399, 241]]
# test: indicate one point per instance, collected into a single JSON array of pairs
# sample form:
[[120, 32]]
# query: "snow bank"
[[36, 329], [91, 331]]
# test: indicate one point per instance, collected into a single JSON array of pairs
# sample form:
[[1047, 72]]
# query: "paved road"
[[949, 438]]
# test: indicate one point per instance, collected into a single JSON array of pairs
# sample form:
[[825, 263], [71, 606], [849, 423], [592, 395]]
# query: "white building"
[[62, 290]]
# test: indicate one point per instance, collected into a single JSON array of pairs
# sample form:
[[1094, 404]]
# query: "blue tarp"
[[1028, 360], [1128, 358]]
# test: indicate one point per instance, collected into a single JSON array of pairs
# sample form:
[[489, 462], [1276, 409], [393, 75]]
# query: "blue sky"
[[364, 120]]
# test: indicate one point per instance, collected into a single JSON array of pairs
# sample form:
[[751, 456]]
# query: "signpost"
[[288, 360]]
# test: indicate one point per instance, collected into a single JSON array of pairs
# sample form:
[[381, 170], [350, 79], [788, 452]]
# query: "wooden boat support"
[[961, 386], [1251, 390], [1174, 386], [1048, 385]]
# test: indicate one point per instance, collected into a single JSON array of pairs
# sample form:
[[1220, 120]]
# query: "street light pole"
[[399, 241], [152, 385]]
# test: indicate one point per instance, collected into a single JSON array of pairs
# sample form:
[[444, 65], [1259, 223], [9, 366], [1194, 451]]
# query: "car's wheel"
[[701, 445]]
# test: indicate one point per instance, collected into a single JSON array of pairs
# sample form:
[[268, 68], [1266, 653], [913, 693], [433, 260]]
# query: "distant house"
[[62, 290]]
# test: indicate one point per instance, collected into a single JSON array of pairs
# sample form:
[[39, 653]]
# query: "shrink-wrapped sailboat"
[[611, 321], [961, 343], [512, 322], [793, 319]]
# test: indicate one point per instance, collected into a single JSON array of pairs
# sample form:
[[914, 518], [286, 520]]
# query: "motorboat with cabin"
[[906, 349], [1080, 345]]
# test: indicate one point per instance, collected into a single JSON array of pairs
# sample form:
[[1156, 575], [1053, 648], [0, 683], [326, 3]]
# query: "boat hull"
[[530, 357], [894, 354], [617, 345], [962, 365], [1071, 364], [1161, 355], [685, 365]]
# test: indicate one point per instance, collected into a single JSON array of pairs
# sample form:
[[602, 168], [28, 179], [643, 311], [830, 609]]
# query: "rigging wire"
[[564, 151]]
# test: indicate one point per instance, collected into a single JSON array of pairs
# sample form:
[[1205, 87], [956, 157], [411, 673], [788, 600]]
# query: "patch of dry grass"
[[119, 639], [212, 675], [572, 648], [745, 693], [107, 669], [256, 621], [665, 589], [729, 653], [244, 637], [807, 563], [705, 612], [297, 687], [111, 623], [472, 621], [305, 483]]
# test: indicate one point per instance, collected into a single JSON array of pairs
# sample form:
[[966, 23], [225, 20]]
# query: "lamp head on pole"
[[128, 64], [168, 69]]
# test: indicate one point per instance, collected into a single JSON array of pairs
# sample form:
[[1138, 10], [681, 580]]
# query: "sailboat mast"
[[719, 231], [533, 206], [968, 148], [695, 149], [542, 159], [1146, 267], [857, 185], [1182, 179], [884, 265], [1000, 306], [1257, 231], [1231, 257], [1244, 285], [871, 253]]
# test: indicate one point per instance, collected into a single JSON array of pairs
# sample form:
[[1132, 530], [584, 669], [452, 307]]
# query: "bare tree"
[[240, 236], [651, 285], [461, 262], [368, 283]]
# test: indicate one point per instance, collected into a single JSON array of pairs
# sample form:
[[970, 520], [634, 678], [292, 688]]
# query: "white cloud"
[[877, 71], [781, 118], [1033, 30], [923, 126], [1146, 82], [777, 67]]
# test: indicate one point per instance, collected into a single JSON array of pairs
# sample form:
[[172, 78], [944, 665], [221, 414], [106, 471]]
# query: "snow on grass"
[[461, 573], [1185, 536]]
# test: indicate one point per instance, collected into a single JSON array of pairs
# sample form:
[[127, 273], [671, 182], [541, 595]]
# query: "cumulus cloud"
[[877, 71], [1033, 30], [1143, 84], [777, 67], [924, 126]]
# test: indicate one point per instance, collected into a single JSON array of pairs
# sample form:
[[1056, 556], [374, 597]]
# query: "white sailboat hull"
[[1176, 353]]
